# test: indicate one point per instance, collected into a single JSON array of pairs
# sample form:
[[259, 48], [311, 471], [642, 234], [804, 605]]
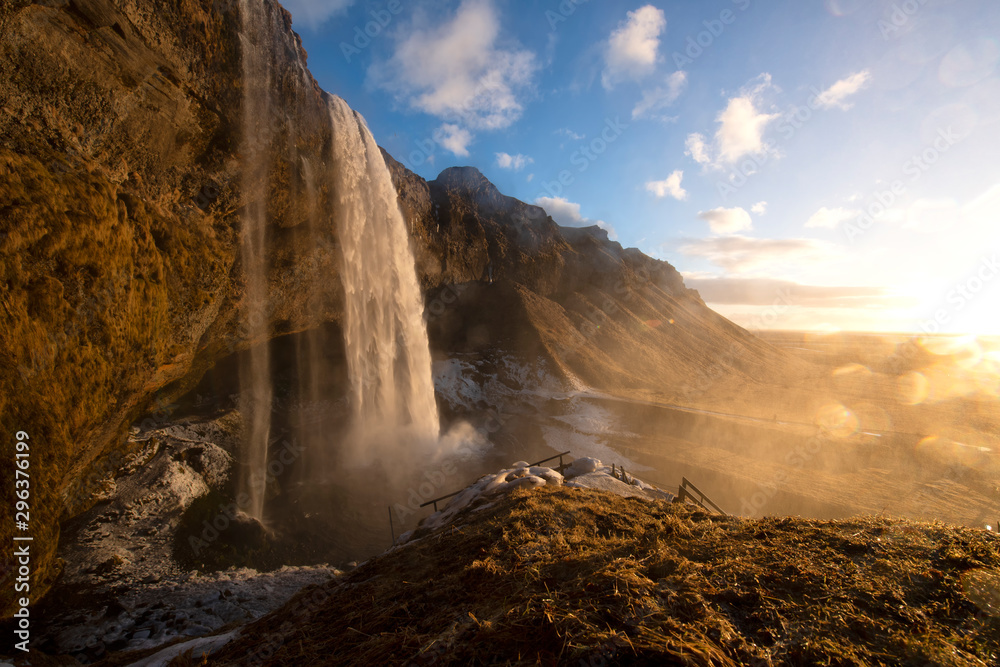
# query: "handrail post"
[[392, 531]]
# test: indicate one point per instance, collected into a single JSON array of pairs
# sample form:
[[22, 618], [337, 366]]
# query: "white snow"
[[198, 647], [462, 381], [588, 429], [605, 482], [587, 472], [124, 548], [582, 466], [509, 385], [453, 379]]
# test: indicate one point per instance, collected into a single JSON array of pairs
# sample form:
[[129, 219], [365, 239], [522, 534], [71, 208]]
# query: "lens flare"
[[837, 421], [953, 453], [987, 375], [852, 370], [843, 7], [965, 350], [969, 63], [913, 388], [982, 587]]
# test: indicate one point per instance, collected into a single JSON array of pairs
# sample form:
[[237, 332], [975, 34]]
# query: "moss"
[[560, 576], [92, 306]]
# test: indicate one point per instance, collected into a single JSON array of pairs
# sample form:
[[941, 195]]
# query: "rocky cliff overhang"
[[120, 200]]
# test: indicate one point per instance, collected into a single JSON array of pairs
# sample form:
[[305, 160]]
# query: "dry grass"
[[565, 576]]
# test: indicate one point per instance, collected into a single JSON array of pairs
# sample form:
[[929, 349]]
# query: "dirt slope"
[[566, 576]]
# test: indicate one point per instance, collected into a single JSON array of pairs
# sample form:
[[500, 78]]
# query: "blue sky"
[[806, 165]]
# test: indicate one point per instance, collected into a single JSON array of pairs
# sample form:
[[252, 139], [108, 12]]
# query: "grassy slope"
[[564, 576]]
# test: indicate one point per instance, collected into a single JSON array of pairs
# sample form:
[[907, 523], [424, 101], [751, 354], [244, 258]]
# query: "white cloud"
[[932, 214], [313, 13], [830, 218], [742, 254], [567, 214], [454, 138], [760, 208], [456, 71], [515, 162], [764, 291], [561, 209], [697, 148], [566, 132], [925, 215], [727, 220], [633, 48], [530, 178], [741, 127], [660, 97], [837, 94], [669, 186]]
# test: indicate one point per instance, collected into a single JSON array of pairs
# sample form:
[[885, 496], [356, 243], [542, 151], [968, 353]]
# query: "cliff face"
[[464, 227], [120, 197], [119, 220], [612, 317]]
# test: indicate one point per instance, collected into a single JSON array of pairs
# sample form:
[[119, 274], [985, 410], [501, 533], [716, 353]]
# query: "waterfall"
[[311, 365], [388, 355], [255, 369], [391, 391]]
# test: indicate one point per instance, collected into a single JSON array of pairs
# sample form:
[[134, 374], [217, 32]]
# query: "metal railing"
[[686, 492], [559, 468], [689, 491]]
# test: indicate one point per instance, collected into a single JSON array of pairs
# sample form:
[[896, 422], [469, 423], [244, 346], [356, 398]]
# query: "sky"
[[820, 165]]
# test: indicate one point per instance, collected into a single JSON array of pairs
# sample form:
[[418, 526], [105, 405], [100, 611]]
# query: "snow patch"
[[463, 382], [198, 647], [123, 550], [603, 481], [582, 466], [587, 472]]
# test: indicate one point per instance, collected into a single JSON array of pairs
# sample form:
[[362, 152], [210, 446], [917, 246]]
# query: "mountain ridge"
[[119, 227]]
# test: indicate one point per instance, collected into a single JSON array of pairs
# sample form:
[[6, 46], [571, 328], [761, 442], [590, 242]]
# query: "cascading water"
[[312, 424], [391, 391], [388, 354], [255, 372]]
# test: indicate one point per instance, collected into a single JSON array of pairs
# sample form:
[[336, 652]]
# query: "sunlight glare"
[[837, 420], [913, 388]]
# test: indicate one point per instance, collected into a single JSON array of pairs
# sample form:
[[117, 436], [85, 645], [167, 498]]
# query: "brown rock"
[[120, 195]]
